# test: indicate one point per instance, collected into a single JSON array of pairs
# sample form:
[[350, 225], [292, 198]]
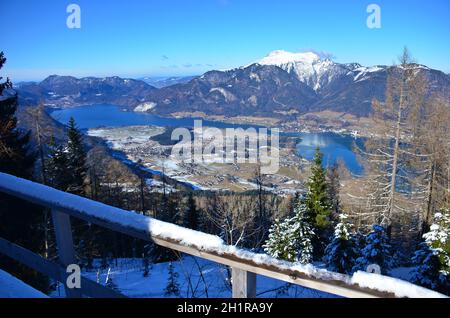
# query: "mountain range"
[[68, 91], [280, 85]]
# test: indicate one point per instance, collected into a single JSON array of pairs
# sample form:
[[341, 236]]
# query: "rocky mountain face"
[[280, 85], [68, 91], [255, 90], [309, 67]]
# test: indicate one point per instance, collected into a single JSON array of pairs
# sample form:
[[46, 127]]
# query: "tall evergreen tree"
[[56, 166], [318, 205], [317, 199], [333, 181], [76, 159], [20, 221], [341, 253], [169, 212], [191, 218], [15, 155], [67, 170]]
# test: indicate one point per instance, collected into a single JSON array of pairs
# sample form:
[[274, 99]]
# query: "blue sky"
[[134, 38]]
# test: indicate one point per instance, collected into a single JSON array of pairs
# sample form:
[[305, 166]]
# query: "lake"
[[333, 146]]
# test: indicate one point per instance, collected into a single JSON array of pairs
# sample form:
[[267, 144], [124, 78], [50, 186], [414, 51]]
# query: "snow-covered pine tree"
[[291, 240], [433, 256], [172, 288], [302, 234], [377, 250], [341, 253], [277, 244]]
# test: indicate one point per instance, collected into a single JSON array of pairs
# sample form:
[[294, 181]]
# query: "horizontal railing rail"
[[245, 265]]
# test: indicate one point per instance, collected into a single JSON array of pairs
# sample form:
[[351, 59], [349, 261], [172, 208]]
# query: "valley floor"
[[135, 144]]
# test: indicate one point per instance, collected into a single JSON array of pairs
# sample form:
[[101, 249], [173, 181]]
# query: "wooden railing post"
[[66, 252], [244, 283]]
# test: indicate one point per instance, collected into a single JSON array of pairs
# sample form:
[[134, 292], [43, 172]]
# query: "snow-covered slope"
[[196, 278], [309, 67]]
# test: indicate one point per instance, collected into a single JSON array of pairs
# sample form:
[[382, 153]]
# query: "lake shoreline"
[[334, 145]]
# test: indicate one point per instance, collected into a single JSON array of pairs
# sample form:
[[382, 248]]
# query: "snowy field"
[[197, 278]]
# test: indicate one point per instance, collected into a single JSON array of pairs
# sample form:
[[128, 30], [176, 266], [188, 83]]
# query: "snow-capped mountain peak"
[[280, 57], [309, 67]]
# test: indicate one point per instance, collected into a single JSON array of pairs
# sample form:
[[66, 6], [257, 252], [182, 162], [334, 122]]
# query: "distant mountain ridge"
[[281, 85], [160, 82], [69, 91], [307, 83], [256, 89]]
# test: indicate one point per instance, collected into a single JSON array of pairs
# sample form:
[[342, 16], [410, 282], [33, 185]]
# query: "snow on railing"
[[12, 287], [245, 264]]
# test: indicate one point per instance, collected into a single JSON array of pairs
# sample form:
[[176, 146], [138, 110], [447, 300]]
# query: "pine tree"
[[20, 222], [67, 171], [66, 165], [168, 212], [317, 199], [318, 205], [333, 181], [15, 155], [172, 288], [341, 253], [377, 250], [191, 217], [277, 244], [302, 232], [291, 240], [433, 256], [76, 159], [57, 166]]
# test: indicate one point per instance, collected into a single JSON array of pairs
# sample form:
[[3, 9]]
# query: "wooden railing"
[[245, 265]]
